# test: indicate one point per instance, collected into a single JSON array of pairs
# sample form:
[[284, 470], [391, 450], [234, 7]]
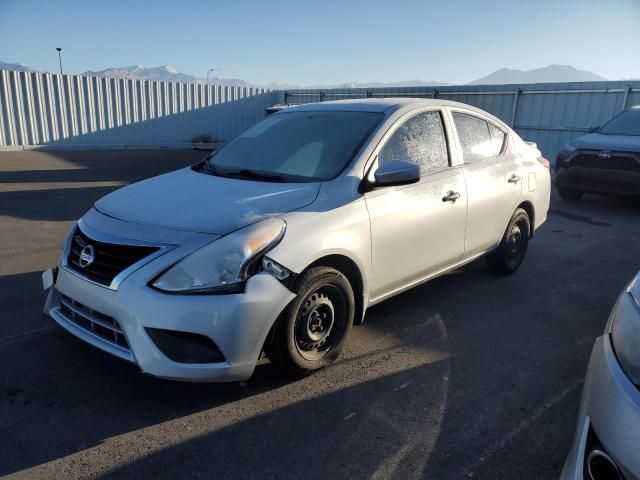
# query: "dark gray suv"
[[606, 161]]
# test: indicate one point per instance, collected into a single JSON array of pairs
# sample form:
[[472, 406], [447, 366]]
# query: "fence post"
[[514, 109], [626, 96]]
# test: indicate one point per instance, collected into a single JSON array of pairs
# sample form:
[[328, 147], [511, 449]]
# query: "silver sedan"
[[281, 240], [607, 440]]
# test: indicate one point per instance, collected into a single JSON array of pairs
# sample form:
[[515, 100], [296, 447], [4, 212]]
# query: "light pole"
[[209, 71], [60, 58]]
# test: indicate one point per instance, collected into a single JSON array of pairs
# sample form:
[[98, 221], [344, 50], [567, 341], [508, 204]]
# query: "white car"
[[607, 440], [281, 240]]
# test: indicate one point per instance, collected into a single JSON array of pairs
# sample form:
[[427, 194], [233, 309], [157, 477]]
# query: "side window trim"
[[503, 149], [373, 159]]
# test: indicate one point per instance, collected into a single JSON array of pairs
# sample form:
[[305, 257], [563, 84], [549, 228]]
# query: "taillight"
[[545, 163]]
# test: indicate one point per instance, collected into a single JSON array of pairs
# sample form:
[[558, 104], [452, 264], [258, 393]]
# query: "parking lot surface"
[[467, 376]]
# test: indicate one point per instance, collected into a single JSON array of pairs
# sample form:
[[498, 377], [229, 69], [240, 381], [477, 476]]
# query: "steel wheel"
[[312, 330], [320, 322], [508, 257], [516, 242]]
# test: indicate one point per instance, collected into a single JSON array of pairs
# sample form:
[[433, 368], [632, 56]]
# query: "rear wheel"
[[509, 255], [570, 195], [312, 330]]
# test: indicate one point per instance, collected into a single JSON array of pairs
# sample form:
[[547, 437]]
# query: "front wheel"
[[508, 257], [311, 331]]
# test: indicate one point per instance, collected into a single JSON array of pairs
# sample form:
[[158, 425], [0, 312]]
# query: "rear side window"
[[419, 140], [479, 139], [497, 139]]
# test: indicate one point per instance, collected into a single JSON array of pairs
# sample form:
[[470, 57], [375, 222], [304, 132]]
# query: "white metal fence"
[[47, 109], [549, 114]]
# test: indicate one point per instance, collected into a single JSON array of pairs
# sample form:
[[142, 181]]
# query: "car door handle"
[[514, 178], [451, 196]]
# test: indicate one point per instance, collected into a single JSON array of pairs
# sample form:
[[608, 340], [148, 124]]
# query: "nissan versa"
[[280, 240]]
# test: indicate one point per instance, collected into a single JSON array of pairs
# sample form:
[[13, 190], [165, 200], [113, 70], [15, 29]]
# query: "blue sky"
[[312, 42]]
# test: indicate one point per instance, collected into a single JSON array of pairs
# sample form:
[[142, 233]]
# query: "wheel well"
[[528, 207], [349, 269]]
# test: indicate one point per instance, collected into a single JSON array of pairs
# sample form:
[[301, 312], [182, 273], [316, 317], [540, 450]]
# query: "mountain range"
[[549, 74], [17, 67], [167, 73]]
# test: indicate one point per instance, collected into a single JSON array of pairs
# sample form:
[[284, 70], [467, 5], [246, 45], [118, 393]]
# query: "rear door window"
[[479, 139]]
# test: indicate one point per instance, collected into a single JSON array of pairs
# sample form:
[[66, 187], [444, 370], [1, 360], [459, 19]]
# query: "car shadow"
[[470, 375], [59, 395], [44, 166], [333, 435], [38, 192], [56, 383], [436, 378]]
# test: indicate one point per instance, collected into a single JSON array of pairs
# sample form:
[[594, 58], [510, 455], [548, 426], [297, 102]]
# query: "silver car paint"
[[610, 404], [413, 232], [492, 195], [392, 249], [188, 200], [238, 323], [301, 253]]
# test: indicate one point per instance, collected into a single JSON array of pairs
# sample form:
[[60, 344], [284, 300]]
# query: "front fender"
[[310, 236]]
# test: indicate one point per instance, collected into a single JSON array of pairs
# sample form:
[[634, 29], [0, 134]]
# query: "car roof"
[[381, 105]]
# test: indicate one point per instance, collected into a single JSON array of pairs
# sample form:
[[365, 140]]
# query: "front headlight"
[[225, 263], [625, 331], [563, 154]]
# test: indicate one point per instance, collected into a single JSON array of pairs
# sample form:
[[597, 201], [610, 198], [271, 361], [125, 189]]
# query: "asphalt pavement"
[[467, 376]]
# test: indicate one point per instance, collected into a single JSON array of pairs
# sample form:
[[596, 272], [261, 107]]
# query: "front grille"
[[615, 162], [109, 258], [94, 322]]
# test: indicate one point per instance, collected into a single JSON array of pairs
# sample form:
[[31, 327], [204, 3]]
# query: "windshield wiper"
[[255, 174], [210, 168], [207, 167], [261, 175]]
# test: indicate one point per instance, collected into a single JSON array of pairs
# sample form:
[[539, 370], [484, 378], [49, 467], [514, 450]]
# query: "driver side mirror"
[[396, 172], [593, 129]]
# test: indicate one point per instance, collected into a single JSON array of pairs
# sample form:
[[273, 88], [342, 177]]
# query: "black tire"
[[311, 332], [509, 255], [570, 195]]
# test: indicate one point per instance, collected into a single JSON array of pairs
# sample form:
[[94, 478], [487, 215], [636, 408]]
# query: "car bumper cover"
[[589, 180], [119, 322], [611, 408]]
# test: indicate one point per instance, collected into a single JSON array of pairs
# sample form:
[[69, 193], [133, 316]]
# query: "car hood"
[[192, 201], [616, 143]]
